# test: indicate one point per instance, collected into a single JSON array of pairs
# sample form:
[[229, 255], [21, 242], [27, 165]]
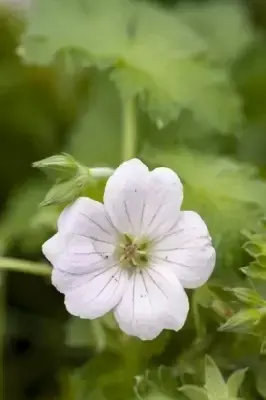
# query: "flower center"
[[132, 252]]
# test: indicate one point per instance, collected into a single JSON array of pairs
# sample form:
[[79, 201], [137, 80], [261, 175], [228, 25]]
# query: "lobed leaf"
[[209, 21], [235, 381], [248, 296], [150, 51], [77, 25], [244, 318], [214, 381], [194, 392]]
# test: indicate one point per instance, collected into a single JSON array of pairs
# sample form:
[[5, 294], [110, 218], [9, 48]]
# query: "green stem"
[[24, 266], [129, 130], [13, 264], [2, 327]]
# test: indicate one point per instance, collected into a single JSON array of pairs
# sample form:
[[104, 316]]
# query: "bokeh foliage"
[[198, 71]]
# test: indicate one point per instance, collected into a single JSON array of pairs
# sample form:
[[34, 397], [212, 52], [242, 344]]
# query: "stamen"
[[134, 262], [132, 251], [122, 258]]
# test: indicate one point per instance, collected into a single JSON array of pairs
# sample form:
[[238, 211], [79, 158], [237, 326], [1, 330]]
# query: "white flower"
[[134, 254]]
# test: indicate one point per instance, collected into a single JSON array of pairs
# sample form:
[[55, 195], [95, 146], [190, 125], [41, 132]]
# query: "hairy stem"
[[129, 130], [24, 266]]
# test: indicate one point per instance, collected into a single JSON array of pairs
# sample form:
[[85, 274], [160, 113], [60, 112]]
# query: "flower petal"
[[188, 250], [154, 301], [99, 293], [163, 201], [65, 279], [124, 196], [52, 248], [142, 202], [87, 217], [75, 254]]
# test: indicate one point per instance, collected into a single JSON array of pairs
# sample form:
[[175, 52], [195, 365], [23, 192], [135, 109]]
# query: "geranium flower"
[[134, 254]]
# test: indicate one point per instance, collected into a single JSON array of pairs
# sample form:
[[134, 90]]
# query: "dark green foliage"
[[199, 76]]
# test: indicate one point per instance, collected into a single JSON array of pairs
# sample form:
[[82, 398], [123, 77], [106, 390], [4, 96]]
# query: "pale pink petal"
[[124, 196], [163, 201], [52, 248], [87, 217], [154, 300], [187, 250], [100, 292], [142, 202], [75, 254]]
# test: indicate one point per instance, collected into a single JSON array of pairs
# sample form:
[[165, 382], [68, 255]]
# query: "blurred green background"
[[46, 354]]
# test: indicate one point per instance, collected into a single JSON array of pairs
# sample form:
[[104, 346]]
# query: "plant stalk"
[[129, 143], [2, 329], [24, 266], [13, 264]]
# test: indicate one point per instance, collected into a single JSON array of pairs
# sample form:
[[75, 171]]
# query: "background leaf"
[[214, 382], [235, 381], [198, 71], [152, 52], [194, 392]]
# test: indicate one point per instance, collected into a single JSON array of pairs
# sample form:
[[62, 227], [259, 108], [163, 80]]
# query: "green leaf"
[[214, 381], [164, 68], [246, 318], [158, 396], [219, 106], [102, 117], [165, 89], [252, 248], [209, 21], [263, 346], [67, 25], [71, 61], [235, 381], [221, 308], [261, 259], [255, 271], [161, 379], [157, 61], [248, 296], [260, 377], [208, 299], [194, 392], [153, 54]]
